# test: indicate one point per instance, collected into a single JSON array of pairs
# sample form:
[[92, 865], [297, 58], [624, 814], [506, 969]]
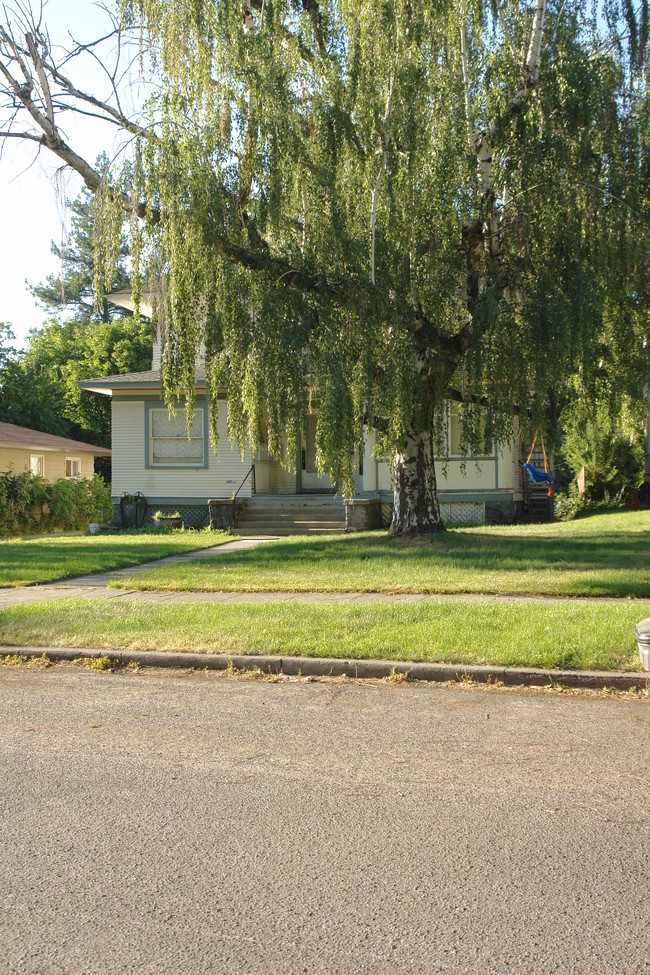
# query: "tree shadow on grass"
[[603, 563], [29, 562]]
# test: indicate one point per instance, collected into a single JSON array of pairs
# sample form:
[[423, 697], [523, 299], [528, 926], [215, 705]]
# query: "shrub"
[[29, 503], [613, 460], [567, 506], [24, 501]]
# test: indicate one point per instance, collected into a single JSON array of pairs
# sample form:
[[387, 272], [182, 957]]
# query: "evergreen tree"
[[70, 292], [7, 351], [39, 387]]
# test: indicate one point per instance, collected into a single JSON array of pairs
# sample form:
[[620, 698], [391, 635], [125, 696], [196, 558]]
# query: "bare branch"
[[37, 61], [463, 58], [31, 136], [115, 113]]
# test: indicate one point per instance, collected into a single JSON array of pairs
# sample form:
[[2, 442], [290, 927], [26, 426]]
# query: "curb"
[[356, 669]]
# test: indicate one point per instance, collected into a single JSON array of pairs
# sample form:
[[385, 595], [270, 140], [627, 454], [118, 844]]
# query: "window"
[[455, 429], [309, 464], [455, 434], [72, 467], [170, 442], [37, 464]]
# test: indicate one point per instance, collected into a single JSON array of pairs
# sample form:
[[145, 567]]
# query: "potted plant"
[[162, 520]]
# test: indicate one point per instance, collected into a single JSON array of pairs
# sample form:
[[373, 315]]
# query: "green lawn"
[[600, 555], [24, 562], [539, 634]]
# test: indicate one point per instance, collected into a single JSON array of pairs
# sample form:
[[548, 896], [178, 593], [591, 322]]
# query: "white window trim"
[[72, 460], [192, 463], [37, 457], [471, 455]]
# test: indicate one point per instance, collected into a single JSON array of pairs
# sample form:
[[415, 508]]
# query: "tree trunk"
[[415, 494]]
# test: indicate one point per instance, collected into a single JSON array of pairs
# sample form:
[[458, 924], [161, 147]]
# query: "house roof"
[[134, 380], [15, 436]]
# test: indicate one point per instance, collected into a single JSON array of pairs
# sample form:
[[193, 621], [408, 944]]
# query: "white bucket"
[[642, 637]]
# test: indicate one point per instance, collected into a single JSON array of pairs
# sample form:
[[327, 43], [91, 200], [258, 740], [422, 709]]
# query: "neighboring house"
[[153, 455], [44, 454]]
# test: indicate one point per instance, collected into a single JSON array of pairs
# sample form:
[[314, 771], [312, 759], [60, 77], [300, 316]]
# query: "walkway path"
[[96, 584]]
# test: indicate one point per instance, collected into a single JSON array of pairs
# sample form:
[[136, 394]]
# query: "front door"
[[310, 479]]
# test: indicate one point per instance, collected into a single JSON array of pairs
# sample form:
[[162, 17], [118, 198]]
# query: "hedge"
[[28, 503]]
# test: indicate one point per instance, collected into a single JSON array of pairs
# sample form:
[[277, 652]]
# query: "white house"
[[153, 455]]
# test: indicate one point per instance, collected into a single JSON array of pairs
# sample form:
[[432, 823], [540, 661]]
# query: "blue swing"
[[537, 476]]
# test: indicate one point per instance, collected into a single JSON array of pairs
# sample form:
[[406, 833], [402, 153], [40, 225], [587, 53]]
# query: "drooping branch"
[[486, 233], [385, 138], [306, 53], [504, 30], [313, 10], [484, 142]]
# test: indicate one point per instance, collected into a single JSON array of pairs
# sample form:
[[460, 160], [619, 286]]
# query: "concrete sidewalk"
[[99, 590]]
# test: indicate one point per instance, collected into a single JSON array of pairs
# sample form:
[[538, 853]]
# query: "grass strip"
[[25, 562], [582, 636], [600, 555]]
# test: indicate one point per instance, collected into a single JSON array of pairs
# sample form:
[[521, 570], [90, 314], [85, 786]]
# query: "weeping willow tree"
[[372, 208]]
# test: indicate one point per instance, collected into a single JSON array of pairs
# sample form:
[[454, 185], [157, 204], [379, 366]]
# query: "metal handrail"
[[251, 471]]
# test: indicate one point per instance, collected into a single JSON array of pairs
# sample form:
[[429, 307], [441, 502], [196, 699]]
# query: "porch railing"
[[251, 471]]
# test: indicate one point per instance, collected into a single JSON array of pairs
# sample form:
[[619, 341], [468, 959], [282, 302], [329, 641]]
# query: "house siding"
[[489, 474], [272, 478], [18, 459], [219, 479]]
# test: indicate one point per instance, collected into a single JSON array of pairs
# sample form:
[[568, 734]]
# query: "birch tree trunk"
[[415, 495]]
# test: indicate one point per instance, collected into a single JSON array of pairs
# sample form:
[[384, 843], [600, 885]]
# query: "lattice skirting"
[[463, 512], [192, 515], [453, 513]]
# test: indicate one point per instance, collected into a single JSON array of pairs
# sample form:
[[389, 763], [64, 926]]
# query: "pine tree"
[[70, 292]]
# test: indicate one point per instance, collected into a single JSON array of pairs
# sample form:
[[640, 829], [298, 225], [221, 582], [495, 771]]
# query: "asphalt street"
[[194, 823]]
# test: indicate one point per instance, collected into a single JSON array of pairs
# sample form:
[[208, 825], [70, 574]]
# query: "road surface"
[[183, 823]]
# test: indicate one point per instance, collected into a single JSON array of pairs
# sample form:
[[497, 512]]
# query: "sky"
[[31, 193]]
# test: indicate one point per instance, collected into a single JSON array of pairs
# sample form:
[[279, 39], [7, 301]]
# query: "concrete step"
[[317, 515], [259, 512], [284, 531], [258, 518], [289, 511], [540, 508]]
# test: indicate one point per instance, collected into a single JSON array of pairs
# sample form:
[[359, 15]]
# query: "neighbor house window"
[[72, 467], [171, 444], [37, 464]]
